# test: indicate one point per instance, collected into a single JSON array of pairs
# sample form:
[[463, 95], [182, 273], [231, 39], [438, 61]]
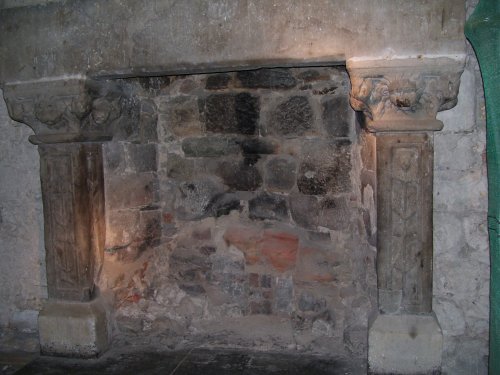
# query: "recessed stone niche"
[[247, 218]]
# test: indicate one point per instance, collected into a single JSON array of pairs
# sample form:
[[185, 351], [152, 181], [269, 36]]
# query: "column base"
[[73, 329], [405, 344]]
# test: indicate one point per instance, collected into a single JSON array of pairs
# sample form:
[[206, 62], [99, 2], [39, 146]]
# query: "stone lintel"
[[404, 94], [405, 344], [73, 329]]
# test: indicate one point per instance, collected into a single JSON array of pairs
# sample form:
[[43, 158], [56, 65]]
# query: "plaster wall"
[[22, 274]]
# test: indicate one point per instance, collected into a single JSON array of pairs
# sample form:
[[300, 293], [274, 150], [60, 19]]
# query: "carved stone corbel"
[[73, 109], [399, 100], [404, 95]]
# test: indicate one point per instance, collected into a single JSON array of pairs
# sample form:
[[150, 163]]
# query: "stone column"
[[400, 100], [71, 118]]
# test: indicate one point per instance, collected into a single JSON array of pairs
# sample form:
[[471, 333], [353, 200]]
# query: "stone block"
[[24, 321], [257, 146], [334, 213], [141, 157], [316, 264], [223, 204], [242, 175], [232, 113], [217, 81], [121, 227], [308, 302], [210, 146], [148, 121], [280, 173], [283, 295], [245, 239], [193, 198], [180, 116], [293, 117], [325, 167], [267, 206], [338, 116], [304, 210], [179, 168], [73, 329], [114, 157], [267, 78], [131, 190], [280, 249], [405, 344], [150, 225]]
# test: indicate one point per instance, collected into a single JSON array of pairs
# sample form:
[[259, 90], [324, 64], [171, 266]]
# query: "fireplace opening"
[[240, 214]]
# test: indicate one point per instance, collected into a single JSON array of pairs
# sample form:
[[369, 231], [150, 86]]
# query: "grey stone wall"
[[461, 253], [22, 254]]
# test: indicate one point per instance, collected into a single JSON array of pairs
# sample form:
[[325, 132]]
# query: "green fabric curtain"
[[483, 31]]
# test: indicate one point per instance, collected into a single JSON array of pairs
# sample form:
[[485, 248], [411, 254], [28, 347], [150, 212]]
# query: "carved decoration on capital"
[[404, 95], [70, 109]]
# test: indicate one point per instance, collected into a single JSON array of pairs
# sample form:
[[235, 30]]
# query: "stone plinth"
[[73, 329], [405, 344]]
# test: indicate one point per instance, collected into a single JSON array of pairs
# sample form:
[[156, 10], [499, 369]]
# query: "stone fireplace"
[[261, 190]]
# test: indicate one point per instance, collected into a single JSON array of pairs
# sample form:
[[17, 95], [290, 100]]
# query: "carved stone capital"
[[69, 109], [404, 94]]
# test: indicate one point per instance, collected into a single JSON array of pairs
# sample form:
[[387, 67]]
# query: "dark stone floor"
[[193, 362]]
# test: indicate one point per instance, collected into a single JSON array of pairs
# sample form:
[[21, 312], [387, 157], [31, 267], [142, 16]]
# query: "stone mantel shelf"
[[132, 37]]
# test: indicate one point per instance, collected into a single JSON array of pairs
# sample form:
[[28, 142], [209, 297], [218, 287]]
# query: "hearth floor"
[[185, 362]]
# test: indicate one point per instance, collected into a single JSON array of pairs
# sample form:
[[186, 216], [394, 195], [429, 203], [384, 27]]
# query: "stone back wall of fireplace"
[[249, 220]]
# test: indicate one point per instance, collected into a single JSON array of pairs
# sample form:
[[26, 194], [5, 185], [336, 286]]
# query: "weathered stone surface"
[[316, 264], [194, 197], [407, 104], [283, 295], [280, 249], [267, 206], [70, 329], [178, 167], [141, 158], [245, 239], [324, 168], [210, 146], [308, 302], [180, 116], [223, 204], [232, 113], [280, 173], [304, 210], [338, 116], [131, 190], [242, 175], [217, 81], [267, 78], [251, 146], [214, 39], [396, 340], [293, 117], [334, 213], [404, 262], [148, 122], [73, 196]]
